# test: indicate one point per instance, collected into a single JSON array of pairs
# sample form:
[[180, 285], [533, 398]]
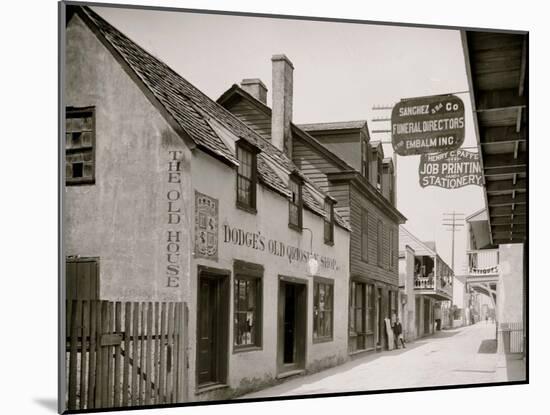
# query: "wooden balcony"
[[440, 288], [483, 264]]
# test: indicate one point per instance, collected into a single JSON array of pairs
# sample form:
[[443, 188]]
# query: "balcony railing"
[[438, 284], [483, 262]]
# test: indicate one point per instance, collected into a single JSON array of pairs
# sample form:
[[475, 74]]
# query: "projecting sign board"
[[427, 125], [450, 170]]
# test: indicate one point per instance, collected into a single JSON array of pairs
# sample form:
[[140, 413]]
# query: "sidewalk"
[[463, 355]]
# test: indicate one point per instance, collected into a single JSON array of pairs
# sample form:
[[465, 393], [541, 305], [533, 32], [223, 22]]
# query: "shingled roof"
[[191, 109], [338, 125], [236, 91]]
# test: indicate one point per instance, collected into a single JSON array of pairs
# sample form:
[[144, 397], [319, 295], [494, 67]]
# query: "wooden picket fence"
[[122, 354]]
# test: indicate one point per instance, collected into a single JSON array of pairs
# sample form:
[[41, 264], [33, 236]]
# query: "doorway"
[[427, 328], [292, 325], [212, 326], [380, 317], [417, 310]]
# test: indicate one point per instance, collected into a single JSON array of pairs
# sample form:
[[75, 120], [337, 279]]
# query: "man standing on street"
[[398, 333]]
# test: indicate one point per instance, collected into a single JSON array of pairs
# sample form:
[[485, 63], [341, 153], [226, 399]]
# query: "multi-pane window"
[[365, 158], [329, 221], [247, 310], [380, 243], [79, 145], [295, 203], [379, 167], [323, 300], [246, 178], [392, 248], [364, 235]]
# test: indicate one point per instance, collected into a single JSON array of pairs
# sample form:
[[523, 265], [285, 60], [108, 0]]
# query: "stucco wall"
[[122, 218], [254, 368], [125, 217], [510, 285]]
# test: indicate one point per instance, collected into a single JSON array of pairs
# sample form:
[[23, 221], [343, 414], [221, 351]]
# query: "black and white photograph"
[[263, 207]]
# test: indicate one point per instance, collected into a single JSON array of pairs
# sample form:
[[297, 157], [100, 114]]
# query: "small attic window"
[[246, 177], [79, 146], [295, 204]]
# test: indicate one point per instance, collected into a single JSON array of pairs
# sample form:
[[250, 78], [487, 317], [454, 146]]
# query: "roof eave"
[[184, 135]]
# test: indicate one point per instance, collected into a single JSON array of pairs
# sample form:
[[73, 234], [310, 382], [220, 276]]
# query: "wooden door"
[[417, 311], [82, 279], [379, 316], [212, 326], [292, 326], [207, 331], [427, 329]]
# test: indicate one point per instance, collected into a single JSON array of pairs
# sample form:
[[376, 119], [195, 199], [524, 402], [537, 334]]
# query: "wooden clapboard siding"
[[371, 269], [345, 145], [251, 116], [340, 192], [312, 163]]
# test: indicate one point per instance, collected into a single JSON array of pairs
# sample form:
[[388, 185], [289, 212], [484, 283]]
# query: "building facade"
[[169, 197], [497, 271], [340, 160], [426, 284]]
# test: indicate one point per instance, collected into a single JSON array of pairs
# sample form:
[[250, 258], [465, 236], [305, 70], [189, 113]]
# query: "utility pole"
[[453, 222]]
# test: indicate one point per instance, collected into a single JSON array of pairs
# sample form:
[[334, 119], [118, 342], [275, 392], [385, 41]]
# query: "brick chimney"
[[256, 88], [281, 115]]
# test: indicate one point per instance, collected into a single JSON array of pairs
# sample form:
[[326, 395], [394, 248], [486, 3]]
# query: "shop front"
[[271, 300]]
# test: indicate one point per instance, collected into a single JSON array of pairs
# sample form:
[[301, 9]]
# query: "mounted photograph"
[[264, 207]]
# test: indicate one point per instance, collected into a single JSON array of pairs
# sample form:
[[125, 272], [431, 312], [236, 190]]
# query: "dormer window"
[[329, 222], [246, 177], [365, 158], [379, 172], [295, 203], [389, 181]]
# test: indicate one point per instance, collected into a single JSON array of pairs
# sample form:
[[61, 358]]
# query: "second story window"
[[392, 248], [295, 203], [365, 235], [329, 221], [80, 146], [246, 178], [380, 240]]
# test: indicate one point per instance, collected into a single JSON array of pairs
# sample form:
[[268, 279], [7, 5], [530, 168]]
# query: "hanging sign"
[[450, 170], [427, 125]]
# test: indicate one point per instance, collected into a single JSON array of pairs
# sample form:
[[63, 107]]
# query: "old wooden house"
[[340, 159], [170, 198]]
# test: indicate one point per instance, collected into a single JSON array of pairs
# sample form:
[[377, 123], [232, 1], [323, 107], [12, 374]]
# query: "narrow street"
[[451, 357]]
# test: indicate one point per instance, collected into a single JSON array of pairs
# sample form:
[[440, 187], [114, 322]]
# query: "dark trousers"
[[396, 341]]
